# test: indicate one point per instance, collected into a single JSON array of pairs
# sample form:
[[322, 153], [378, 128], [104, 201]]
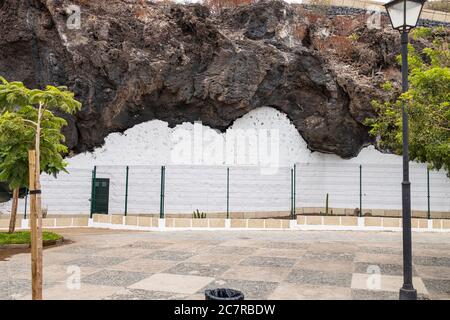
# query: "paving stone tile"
[[432, 261], [285, 253], [384, 283], [123, 252], [270, 274], [432, 272], [291, 291], [258, 261], [148, 245], [138, 294], [251, 289], [84, 250], [169, 255], [340, 266], [320, 278], [85, 292], [144, 265], [387, 269], [381, 250], [333, 247], [198, 269], [114, 278], [437, 285], [229, 259], [232, 250], [378, 258], [174, 283], [360, 294], [339, 256], [11, 289], [95, 261], [283, 245]]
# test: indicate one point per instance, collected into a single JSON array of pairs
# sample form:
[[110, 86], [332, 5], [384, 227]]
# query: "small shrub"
[[198, 215], [342, 46]]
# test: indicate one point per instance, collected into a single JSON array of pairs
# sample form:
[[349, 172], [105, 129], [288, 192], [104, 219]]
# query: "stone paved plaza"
[[263, 264]]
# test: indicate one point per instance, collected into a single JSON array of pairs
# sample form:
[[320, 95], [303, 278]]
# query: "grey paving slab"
[[320, 278], [232, 250], [169, 255], [284, 245], [258, 261], [12, 288], [138, 294], [389, 269], [251, 289], [114, 278], [338, 256], [380, 250], [198, 269], [95, 261], [432, 261], [432, 272], [147, 245], [360, 294], [84, 250], [437, 286]]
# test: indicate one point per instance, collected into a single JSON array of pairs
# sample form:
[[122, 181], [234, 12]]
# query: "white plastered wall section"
[[147, 146]]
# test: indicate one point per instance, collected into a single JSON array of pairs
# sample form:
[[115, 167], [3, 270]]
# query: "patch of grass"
[[22, 237]]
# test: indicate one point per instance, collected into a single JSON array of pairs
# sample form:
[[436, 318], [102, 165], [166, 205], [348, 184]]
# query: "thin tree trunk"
[[13, 218], [36, 223]]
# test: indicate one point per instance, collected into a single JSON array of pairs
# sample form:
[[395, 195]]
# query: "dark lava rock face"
[[133, 61]]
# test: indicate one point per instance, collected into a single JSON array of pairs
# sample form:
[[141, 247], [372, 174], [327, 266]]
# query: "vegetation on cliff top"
[[428, 104]]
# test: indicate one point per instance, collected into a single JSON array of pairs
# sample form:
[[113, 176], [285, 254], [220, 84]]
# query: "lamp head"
[[404, 14]]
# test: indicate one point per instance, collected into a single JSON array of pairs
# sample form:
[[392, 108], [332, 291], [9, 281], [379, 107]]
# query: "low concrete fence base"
[[49, 223], [307, 222], [301, 223]]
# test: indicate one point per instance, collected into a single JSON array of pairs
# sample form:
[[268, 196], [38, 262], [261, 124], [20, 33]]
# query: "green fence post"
[[94, 174], [26, 200], [228, 193], [360, 190], [428, 193], [161, 207], [292, 194], [295, 191], [126, 191]]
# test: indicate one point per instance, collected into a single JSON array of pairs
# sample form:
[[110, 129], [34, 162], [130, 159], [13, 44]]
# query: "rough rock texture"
[[132, 61]]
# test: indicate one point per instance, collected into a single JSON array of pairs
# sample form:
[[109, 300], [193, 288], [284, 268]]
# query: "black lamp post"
[[404, 15]]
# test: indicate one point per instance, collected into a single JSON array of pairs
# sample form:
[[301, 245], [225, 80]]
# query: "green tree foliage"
[[18, 124], [428, 104]]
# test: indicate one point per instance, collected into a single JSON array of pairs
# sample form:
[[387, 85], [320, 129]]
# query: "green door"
[[101, 200]]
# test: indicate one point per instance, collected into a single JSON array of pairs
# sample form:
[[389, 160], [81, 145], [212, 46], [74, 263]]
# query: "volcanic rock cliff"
[[132, 61]]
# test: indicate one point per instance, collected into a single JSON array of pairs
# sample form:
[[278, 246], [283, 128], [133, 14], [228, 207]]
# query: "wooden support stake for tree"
[[36, 231], [13, 218]]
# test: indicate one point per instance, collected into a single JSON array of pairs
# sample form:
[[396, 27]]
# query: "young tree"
[[12, 95], [28, 120], [17, 136], [428, 101]]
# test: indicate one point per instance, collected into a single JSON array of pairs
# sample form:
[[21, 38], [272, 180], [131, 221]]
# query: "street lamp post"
[[404, 15]]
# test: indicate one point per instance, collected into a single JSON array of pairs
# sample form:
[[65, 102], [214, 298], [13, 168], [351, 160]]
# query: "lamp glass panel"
[[412, 12], [396, 13]]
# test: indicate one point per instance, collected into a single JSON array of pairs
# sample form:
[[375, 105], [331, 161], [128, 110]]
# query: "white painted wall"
[[147, 146]]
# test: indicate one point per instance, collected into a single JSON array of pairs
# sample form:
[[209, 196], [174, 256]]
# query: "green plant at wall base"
[[198, 215], [427, 101]]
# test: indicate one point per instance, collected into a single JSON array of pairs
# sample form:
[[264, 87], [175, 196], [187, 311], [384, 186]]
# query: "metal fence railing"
[[344, 188]]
